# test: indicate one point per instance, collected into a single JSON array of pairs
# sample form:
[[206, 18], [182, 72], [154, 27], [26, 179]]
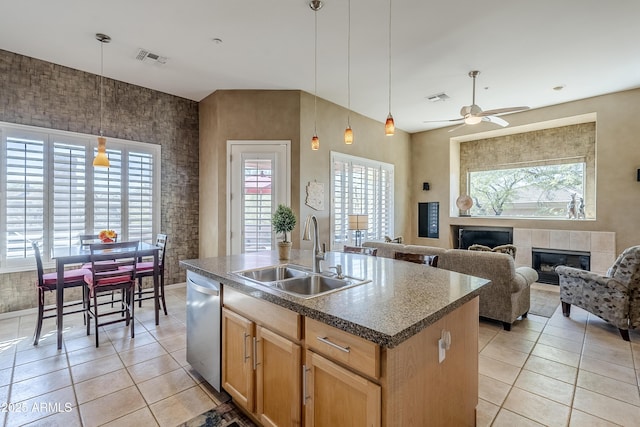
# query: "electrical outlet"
[[441, 350]]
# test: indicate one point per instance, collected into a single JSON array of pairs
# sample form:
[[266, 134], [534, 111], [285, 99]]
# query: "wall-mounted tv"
[[487, 236]]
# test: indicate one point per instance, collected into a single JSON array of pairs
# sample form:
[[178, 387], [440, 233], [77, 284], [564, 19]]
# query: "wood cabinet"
[[261, 368], [335, 396]]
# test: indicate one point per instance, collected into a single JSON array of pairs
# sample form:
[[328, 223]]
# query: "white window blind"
[[257, 201], [69, 182], [51, 193], [361, 186], [107, 194], [140, 196], [24, 195]]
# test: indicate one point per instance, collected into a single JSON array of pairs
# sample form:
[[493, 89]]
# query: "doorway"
[[258, 180]]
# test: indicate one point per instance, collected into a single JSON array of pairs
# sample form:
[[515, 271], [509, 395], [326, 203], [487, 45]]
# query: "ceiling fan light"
[[472, 120], [348, 136], [389, 126], [315, 143]]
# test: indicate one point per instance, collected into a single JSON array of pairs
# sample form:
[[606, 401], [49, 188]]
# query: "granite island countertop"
[[401, 299]]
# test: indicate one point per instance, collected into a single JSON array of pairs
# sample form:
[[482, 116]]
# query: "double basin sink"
[[297, 280]]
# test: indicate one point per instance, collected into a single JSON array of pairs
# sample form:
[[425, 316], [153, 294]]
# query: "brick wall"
[[38, 93]]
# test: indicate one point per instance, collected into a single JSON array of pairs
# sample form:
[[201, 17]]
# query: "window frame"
[[50, 138], [374, 223]]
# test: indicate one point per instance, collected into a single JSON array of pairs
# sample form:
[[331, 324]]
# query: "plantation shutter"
[[257, 201], [107, 195], [69, 182], [361, 186], [140, 196], [25, 195]]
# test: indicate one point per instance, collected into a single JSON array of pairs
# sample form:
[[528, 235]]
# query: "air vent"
[[146, 56], [438, 97]]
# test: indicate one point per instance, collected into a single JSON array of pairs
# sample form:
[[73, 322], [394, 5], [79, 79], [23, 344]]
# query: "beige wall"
[[369, 142], [289, 115], [617, 160], [239, 115]]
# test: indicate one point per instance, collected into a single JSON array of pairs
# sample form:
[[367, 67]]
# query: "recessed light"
[[559, 87], [216, 40]]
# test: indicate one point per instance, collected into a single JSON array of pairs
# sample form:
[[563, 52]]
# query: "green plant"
[[283, 221]]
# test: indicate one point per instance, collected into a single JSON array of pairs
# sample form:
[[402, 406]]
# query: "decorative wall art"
[[315, 196]]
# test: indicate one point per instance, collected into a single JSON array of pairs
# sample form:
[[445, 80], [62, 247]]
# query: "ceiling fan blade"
[[495, 120], [497, 111], [439, 121], [457, 127]]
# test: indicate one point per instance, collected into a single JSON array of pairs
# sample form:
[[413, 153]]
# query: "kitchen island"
[[399, 350]]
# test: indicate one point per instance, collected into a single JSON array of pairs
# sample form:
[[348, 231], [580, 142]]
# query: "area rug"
[[225, 415], [543, 302]]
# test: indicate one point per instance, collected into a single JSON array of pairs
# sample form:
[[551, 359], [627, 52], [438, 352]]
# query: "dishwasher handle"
[[203, 289]]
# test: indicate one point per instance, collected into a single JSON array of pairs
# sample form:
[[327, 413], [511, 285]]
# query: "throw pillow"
[[477, 247], [506, 249]]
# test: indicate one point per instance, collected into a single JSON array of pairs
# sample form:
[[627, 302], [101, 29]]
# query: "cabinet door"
[[278, 397], [338, 397], [237, 358]]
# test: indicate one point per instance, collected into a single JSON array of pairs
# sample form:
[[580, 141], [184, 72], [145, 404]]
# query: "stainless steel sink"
[[297, 280], [273, 273], [312, 285]]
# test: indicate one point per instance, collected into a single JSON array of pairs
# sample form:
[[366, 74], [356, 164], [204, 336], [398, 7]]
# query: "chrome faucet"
[[318, 254]]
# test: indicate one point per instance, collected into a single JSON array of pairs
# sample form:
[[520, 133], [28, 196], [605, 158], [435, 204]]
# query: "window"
[[532, 192], [545, 173], [52, 193], [360, 186]]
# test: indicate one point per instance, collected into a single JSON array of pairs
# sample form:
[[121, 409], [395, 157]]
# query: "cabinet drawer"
[[340, 346], [274, 317]]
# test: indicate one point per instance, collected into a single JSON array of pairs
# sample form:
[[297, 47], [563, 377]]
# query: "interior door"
[[259, 180]]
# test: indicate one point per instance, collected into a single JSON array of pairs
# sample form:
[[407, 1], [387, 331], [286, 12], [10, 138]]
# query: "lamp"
[[315, 5], [358, 223], [348, 132], [389, 125], [101, 158]]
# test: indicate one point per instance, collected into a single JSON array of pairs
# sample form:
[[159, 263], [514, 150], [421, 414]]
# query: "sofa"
[[505, 299]]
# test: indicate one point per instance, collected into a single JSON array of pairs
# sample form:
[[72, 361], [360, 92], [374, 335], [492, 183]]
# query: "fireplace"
[[544, 261]]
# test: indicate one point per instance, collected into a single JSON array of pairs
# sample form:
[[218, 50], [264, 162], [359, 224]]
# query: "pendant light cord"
[[315, 73], [349, 65], [101, 83], [389, 56]]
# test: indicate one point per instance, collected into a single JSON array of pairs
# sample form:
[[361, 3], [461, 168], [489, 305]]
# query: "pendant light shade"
[[389, 125], [315, 143], [101, 158], [348, 135]]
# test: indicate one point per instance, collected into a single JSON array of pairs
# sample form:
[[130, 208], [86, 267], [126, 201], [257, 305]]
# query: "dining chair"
[[431, 260], [87, 239], [360, 250], [48, 282], [113, 268], [145, 269]]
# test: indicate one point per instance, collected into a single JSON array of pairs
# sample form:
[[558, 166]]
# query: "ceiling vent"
[[146, 56], [438, 97]]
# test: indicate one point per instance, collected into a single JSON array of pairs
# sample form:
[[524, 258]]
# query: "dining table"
[[79, 254]]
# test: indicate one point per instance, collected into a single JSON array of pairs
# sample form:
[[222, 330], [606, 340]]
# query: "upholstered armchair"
[[614, 297]]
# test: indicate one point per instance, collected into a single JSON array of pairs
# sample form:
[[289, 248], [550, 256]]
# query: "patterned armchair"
[[614, 297]]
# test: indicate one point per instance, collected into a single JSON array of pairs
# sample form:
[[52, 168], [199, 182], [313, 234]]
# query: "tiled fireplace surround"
[[601, 244]]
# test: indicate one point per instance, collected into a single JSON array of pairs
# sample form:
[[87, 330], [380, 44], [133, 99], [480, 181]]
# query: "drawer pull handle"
[[334, 345], [255, 353], [244, 351]]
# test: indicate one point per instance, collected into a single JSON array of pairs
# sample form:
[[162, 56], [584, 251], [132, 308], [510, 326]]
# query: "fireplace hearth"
[[544, 261]]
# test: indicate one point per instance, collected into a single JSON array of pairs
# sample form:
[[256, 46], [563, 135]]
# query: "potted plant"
[[283, 221]]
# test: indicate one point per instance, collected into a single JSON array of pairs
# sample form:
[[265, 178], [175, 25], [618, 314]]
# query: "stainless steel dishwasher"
[[204, 333]]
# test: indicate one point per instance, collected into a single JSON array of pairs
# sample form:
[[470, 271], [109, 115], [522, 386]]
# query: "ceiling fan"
[[473, 114]]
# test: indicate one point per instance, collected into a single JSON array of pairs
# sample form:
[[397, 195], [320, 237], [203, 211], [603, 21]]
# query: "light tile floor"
[[555, 372], [145, 381]]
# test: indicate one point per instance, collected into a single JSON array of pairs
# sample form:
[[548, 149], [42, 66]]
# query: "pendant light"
[[101, 158], [315, 5], [348, 132], [389, 125]]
